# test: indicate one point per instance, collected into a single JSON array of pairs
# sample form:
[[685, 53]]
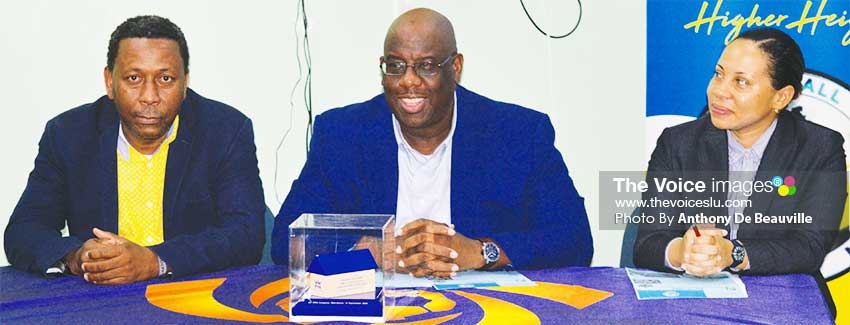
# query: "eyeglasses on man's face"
[[396, 67]]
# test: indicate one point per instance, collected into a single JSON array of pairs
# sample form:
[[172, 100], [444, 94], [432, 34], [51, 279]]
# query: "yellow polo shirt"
[[141, 183]]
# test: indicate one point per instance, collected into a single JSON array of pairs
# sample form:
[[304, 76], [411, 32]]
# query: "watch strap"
[[163, 268]]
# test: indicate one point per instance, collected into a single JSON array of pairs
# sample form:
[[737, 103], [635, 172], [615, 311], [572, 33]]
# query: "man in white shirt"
[[471, 181]]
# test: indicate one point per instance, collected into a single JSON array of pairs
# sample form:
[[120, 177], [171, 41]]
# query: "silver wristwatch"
[[491, 253]]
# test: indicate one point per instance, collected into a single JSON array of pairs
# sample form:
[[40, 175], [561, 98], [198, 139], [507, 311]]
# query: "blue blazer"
[[212, 204], [508, 181]]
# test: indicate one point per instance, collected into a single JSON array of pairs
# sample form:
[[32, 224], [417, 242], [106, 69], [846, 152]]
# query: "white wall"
[[591, 84]]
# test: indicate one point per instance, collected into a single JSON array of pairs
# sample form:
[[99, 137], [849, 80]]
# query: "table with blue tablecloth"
[[260, 294]]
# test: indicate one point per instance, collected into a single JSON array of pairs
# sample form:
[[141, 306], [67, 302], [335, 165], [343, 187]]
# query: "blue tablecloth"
[[27, 298]]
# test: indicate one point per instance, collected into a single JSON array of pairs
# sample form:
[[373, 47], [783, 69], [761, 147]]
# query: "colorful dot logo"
[[785, 186]]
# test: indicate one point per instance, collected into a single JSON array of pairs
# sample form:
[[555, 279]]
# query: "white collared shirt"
[[424, 181], [743, 165]]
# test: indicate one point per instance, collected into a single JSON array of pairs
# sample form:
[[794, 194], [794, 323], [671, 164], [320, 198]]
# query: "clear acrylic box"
[[333, 261]]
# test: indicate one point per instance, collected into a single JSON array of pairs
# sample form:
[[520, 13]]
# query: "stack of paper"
[[658, 285], [467, 279]]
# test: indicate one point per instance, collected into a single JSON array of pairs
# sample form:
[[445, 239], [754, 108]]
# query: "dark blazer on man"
[[813, 154], [508, 181], [212, 202]]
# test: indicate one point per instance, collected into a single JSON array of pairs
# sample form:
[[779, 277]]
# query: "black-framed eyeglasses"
[[396, 67]]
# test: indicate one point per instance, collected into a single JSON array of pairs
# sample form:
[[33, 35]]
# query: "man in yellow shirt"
[[151, 179]]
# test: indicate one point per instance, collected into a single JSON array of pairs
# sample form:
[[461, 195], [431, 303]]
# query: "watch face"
[[491, 252], [738, 254]]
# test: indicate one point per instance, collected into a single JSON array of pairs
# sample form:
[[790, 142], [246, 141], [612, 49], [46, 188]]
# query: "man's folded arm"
[[552, 241], [558, 231], [33, 239], [236, 235]]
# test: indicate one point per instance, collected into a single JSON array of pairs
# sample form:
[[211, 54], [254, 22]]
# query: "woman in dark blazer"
[[749, 128]]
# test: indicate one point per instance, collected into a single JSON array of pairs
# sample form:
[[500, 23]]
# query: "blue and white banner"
[[685, 39]]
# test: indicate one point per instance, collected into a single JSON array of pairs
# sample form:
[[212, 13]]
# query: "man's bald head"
[[422, 26], [421, 98]]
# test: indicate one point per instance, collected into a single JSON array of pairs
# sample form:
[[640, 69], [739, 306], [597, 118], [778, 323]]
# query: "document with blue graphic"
[[658, 285], [467, 279]]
